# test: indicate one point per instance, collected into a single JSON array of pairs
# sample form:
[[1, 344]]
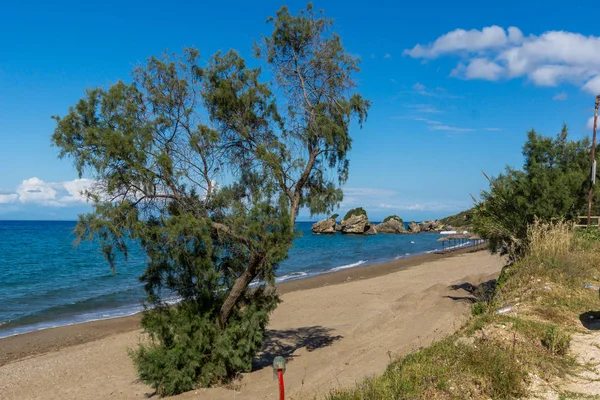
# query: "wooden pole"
[[593, 164]]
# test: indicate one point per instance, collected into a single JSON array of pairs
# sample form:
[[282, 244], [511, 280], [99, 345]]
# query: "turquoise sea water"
[[45, 281]]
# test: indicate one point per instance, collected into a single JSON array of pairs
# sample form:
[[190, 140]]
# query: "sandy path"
[[333, 335]]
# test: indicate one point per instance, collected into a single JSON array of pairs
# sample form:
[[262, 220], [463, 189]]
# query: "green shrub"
[[478, 308], [189, 349], [355, 211], [591, 234], [445, 370], [397, 218], [459, 220], [556, 341], [334, 216]]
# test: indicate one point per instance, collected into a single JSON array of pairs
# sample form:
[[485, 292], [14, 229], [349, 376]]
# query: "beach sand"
[[335, 329]]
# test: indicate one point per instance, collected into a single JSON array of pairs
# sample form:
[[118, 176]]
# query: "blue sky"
[[455, 87]]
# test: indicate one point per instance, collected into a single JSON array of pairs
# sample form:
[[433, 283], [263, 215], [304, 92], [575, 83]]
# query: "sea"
[[47, 281]]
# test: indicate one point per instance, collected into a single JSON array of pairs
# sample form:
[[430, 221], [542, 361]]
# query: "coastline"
[[25, 345]]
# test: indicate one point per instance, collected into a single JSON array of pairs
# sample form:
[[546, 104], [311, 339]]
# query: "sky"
[[455, 87]]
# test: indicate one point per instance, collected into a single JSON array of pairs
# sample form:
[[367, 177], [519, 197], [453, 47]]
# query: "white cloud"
[[468, 41], [8, 198], [450, 128], [590, 123], [437, 125], [418, 86], [54, 194], [593, 85], [387, 55], [479, 68], [492, 129], [425, 108], [549, 59], [560, 96]]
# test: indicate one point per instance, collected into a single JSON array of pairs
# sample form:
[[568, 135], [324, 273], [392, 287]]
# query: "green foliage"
[[478, 308], [395, 217], [552, 186], [334, 216], [556, 341], [189, 349], [213, 203], [355, 212], [459, 220], [591, 234], [445, 369]]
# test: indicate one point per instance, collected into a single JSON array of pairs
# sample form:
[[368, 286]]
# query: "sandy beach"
[[334, 329]]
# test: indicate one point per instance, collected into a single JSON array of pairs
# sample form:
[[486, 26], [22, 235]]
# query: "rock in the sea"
[[413, 227], [372, 230], [356, 221], [338, 228], [431, 226], [392, 224], [324, 226]]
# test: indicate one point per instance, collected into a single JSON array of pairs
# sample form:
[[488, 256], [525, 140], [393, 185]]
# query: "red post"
[[281, 387]]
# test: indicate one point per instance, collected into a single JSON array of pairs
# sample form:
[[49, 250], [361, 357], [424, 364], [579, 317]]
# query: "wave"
[[356, 264], [290, 277], [17, 329]]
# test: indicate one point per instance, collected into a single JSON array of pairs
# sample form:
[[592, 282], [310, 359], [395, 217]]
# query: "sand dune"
[[333, 335]]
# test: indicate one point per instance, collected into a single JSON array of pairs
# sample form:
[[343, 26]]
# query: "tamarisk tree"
[[205, 167]]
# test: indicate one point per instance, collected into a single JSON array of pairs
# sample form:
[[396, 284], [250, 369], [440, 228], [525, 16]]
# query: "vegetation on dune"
[[553, 185], [355, 212], [213, 203], [495, 355]]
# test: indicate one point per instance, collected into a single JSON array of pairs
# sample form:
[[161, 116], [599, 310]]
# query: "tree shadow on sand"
[[484, 292], [285, 342]]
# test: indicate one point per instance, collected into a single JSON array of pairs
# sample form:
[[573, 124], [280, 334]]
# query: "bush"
[[445, 370], [552, 186], [479, 308], [462, 219], [591, 234], [556, 341], [189, 349], [334, 216], [391, 217], [355, 211]]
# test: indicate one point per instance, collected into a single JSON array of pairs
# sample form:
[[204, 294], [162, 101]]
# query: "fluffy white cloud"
[[479, 68], [54, 194], [590, 123], [461, 40], [492, 53], [418, 86], [492, 129], [387, 55], [593, 85]]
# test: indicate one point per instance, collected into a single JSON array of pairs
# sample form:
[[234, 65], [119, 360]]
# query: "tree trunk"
[[294, 211], [238, 288]]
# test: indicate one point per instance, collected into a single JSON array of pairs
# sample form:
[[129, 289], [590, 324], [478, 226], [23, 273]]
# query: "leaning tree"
[[205, 166]]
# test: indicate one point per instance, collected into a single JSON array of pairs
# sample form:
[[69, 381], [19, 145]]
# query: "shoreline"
[[29, 344]]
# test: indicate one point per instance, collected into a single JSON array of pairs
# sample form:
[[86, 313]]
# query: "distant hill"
[[459, 220]]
